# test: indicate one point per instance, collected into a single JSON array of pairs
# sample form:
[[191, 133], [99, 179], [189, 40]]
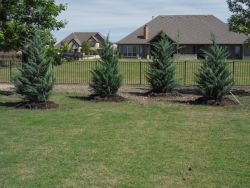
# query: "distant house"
[[75, 40], [192, 33], [10, 54]]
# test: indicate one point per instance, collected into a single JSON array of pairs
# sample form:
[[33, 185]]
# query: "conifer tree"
[[214, 78], [35, 80], [161, 74], [106, 78]]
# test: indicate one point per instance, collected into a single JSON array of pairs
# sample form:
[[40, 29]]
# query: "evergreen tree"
[[106, 79], [214, 78], [162, 70], [35, 80]]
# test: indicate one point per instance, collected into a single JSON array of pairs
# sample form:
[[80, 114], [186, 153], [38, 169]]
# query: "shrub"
[[106, 79], [214, 78], [162, 70], [35, 80]]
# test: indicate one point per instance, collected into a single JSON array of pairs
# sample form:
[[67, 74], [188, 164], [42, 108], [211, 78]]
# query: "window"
[[237, 50], [129, 51]]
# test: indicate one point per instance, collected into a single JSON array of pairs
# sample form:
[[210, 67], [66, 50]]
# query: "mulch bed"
[[184, 96], [205, 101]]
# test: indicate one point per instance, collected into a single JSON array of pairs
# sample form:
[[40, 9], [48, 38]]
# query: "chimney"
[[146, 32]]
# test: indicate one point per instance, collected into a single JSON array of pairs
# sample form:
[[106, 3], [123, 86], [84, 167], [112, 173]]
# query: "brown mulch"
[[204, 101], [141, 94]]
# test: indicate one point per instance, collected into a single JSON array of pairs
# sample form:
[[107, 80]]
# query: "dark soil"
[[241, 92], [205, 101], [40, 105]]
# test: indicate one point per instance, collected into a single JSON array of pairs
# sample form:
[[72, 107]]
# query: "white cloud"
[[120, 17]]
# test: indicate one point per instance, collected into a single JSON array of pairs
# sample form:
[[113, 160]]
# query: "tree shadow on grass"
[[82, 98], [139, 94], [10, 104], [6, 93], [95, 98], [27, 105]]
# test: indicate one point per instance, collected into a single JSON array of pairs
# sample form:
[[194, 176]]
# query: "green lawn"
[[89, 144], [135, 73]]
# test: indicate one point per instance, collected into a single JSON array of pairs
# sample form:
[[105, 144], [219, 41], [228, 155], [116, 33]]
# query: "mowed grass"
[[90, 144], [135, 72]]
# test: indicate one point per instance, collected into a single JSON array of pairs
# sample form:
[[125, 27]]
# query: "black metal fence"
[[134, 73]]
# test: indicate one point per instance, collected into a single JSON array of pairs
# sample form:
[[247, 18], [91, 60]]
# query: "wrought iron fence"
[[134, 73]]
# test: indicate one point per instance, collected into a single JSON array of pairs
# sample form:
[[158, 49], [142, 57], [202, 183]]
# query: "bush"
[[106, 79], [35, 80], [162, 70], [214, 78]]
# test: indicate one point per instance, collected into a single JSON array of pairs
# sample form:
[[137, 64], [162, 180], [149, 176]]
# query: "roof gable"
[[79, 37], [191, 29]]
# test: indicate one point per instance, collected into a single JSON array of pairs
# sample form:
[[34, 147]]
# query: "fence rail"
[[134, 73]]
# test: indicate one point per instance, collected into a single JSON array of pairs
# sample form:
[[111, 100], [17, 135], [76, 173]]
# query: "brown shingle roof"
[[79, 37], [192, 29]]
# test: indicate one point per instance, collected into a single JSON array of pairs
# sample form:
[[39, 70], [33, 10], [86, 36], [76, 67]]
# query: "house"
[[191, 32], [10, 54], [75, 40]]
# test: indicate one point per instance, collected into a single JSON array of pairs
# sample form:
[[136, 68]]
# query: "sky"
[[118, 18]]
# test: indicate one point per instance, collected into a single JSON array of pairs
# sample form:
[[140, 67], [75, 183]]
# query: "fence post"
[[233, 71], [140, 73], [185, 73], [10, 69]]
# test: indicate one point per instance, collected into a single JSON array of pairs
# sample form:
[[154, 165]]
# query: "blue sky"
[[120, 17]]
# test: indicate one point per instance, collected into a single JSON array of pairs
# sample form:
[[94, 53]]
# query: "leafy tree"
[[162, 70], [20, 19], [106, 79], [240, 20], [54, 54], [214, 78], [64, 47], [86, 45], [35, 80]]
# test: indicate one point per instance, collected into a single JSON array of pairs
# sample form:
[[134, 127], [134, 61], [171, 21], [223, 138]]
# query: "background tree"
[[177, 44], [86, 45], [64, 47], [214, 78], [240, 20], [20, 19], [106, 79], [35, 80], [56, 54], [161, 74]]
